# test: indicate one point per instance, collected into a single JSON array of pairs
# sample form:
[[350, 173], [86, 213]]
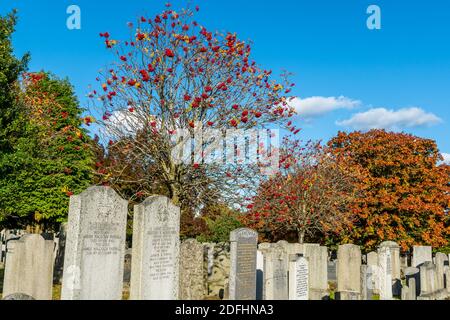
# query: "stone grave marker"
[[191, 270], [298, 278], [156, 249], [29, 267], [242, 282], [95, 246], [421, 254], [349, 269]]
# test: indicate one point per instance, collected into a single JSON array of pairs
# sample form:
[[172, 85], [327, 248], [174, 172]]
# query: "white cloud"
[[317, 106], [446, 158], [381, 118]]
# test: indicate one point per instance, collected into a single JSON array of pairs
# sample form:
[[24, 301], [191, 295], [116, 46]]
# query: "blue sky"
[[348, 77]]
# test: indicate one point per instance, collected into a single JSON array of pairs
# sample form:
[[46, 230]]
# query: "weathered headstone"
[[349, 268], [441, 262], [191, 270], [421, 254], [385, 272], [242, 285], [413, 273], [372, 261], [156, 249], [395, 266], [318, 276], [298, 278], [428, 280], [95, 246], [366, 282], [275, 273], [29, 267], [409, 290]]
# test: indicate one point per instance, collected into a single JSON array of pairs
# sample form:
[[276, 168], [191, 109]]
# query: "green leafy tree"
[[51, 160], [10, 70]]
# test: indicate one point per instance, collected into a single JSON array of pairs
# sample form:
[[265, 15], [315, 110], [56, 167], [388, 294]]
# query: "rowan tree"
[[309, 196], [174, 75], [405, 193]]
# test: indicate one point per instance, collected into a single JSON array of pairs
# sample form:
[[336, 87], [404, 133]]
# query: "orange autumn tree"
[[307, 199], [405, 191]]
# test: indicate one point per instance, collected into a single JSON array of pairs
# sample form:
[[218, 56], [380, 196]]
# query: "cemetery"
[[88, 258], [180, 170]]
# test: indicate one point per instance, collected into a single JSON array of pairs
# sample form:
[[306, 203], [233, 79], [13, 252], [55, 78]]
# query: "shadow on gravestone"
[[18, 296]]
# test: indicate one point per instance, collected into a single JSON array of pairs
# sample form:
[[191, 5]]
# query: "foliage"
[[220, 221], [10, 70], [309, 197], [174, 76], [51, 159], [405, 194]]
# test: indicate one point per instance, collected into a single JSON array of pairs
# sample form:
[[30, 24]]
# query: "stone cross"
[[156, 249], [242, 284], [95, 246]]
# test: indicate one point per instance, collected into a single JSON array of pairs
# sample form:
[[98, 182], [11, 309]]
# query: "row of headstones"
[[95, 249], [384, 272]]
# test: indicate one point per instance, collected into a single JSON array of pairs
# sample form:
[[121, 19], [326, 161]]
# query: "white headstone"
[[29, 267], [156, 247], [385, 273], [95, 246], [298, 279], [421, 254]]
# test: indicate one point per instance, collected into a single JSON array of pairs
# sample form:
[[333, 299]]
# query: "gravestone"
[[372, 261], [318, 275], [421, 254], [366, 282], [156, 245], [428, 280], [348, 270], [276, 265], [95, 246], [29, 267], [191, 270], [385, 272], [413, 273], [441, 262], [395, 266], [242, 285], [298, 278]]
